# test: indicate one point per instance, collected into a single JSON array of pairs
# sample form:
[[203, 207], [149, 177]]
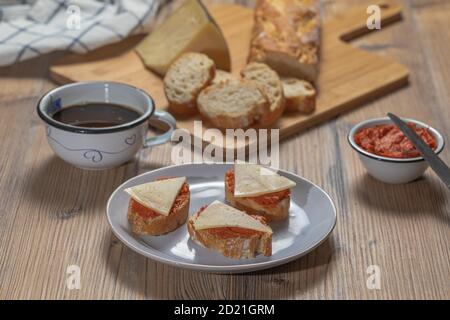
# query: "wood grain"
[[349, 76], [53, 215]]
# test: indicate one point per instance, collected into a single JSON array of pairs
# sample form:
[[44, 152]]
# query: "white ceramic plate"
[[312, 217]]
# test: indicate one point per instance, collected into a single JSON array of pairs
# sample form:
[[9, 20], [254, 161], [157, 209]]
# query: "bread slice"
[[184, 80], [224, 77], [270, 83], [272, 206], [232, 242], [286, 36], [233, 105], [300, 95], [146, 221]]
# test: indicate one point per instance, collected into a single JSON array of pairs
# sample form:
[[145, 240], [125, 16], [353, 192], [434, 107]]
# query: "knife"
[[438, 166]]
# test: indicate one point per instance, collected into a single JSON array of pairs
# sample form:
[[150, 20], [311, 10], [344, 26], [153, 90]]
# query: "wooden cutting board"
[[348, 76]]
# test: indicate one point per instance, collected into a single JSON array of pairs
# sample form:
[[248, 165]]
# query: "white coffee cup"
[[105, 147]]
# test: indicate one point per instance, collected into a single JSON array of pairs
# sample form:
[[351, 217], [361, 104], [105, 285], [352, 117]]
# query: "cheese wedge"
[[189, 29], [252, 180], [218, 215], [157, 195]]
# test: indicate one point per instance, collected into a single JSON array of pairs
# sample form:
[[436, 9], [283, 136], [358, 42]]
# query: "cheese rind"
[[218, 215], [252, 180], [188, 29], [157, 195]]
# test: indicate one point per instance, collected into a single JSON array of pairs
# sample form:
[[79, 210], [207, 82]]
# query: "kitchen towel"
[[32, 27]]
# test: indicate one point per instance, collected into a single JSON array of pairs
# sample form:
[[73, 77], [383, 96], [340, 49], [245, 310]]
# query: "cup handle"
[[165, 137]]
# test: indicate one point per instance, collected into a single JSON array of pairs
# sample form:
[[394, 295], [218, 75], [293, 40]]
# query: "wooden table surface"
[[52, 215]]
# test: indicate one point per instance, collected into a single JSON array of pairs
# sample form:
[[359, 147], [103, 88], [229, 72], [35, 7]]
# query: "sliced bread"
[[184, 80], [224, 76], [300, 95], [269, 81], [233, 105]]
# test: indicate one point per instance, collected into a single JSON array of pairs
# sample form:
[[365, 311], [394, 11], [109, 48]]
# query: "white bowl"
[[393, 170]]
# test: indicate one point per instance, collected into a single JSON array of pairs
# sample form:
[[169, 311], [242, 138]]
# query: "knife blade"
[[438, 166]]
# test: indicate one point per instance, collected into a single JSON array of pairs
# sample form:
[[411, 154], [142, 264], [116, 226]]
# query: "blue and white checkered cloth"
[[32, 27]]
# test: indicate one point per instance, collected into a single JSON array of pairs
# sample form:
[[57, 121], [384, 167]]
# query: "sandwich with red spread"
[[258, 191], [231, 232], [158, 207]]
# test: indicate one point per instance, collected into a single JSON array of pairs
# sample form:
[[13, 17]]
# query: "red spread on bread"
[[233, 232], [148, 213], [269, 199]]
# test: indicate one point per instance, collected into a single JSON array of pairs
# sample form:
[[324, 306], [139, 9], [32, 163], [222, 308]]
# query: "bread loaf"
[[286, 36]]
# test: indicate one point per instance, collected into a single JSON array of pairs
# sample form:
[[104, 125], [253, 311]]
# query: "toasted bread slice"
[[146, 221], [232, 242], [184, 80], [272, 206], [300, 95], [224, 77], [269, 81], [233, 105]]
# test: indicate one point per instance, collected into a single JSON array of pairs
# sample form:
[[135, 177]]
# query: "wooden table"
[[52, 215]]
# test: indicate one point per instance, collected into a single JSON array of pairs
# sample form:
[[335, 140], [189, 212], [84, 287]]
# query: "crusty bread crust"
[[234, 248], [161, 224], [300, 95], [286, 36], [183, 110], [247, 204]]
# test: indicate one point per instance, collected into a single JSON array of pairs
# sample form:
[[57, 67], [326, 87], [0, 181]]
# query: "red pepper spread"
[[148, 213], [233, 232], [270, 199], [388, 141]]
